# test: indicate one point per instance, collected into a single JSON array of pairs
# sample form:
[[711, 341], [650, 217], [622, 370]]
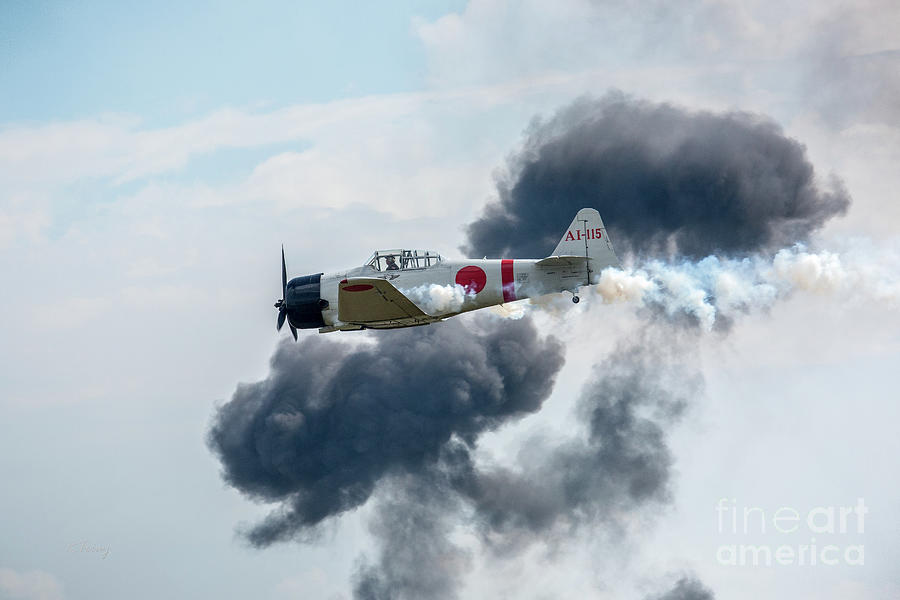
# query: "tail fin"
[[586, 236]]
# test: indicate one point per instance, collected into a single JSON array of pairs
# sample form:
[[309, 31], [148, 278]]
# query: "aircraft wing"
[[376, 301]]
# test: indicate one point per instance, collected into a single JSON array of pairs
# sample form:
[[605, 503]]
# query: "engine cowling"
[[304, 303]]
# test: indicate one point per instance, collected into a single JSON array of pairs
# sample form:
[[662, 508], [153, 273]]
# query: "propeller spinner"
[[281, 305]]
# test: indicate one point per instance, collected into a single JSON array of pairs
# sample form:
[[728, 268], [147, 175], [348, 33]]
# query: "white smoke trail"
[[821, 272], [437, 299], [510, 310], [713, 288]]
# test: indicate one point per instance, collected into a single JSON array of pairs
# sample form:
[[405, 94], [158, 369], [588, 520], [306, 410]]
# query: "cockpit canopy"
[[403, 260]]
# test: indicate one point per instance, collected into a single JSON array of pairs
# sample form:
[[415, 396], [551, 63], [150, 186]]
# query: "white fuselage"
[[486, 282], [404, 288]]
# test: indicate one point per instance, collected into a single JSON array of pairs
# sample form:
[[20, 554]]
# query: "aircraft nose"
[[304, 303]]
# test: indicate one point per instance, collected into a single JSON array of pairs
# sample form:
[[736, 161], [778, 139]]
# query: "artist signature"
[[85, 547]]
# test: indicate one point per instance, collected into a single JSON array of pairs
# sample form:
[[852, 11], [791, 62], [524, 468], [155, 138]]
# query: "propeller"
[[281, 305]]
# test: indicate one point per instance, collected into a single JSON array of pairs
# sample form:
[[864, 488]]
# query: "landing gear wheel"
[[576, 299]]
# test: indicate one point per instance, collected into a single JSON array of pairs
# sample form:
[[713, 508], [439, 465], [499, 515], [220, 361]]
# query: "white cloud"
[[408, 155], [492, 41], [18, 224]]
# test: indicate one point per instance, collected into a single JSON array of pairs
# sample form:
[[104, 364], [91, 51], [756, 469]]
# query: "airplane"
[[408, 288]]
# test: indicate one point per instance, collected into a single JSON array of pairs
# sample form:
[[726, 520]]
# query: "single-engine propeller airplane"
[[396, 288]]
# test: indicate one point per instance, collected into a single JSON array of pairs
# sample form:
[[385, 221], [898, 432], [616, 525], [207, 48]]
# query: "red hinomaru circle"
[[472, 279]]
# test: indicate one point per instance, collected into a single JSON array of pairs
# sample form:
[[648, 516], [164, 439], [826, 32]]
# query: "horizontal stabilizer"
[[562, 261]]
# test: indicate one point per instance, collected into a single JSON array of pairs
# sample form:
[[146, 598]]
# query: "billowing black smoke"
[[331, 420], [665, 180]]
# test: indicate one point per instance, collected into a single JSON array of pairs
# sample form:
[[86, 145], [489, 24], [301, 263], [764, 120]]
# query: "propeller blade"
[[282, 304], [283, 275]]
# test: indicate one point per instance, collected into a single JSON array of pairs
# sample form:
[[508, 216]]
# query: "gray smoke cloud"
[[413, 520], [665, 180], [686, 588], [330, 421], [620, 464]]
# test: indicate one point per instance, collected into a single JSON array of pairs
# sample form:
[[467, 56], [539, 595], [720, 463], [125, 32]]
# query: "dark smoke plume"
[[686, 588], [620, 465], [330, 420], [413, 519], [623, 462], [665, 180]]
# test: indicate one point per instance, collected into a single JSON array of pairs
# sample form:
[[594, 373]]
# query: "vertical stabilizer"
[[586, 236]]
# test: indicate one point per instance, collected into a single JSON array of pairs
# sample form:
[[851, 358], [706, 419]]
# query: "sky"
[[154, 158]]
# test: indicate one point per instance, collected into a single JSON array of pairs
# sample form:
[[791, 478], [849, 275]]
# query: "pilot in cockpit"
[[391, 264]]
